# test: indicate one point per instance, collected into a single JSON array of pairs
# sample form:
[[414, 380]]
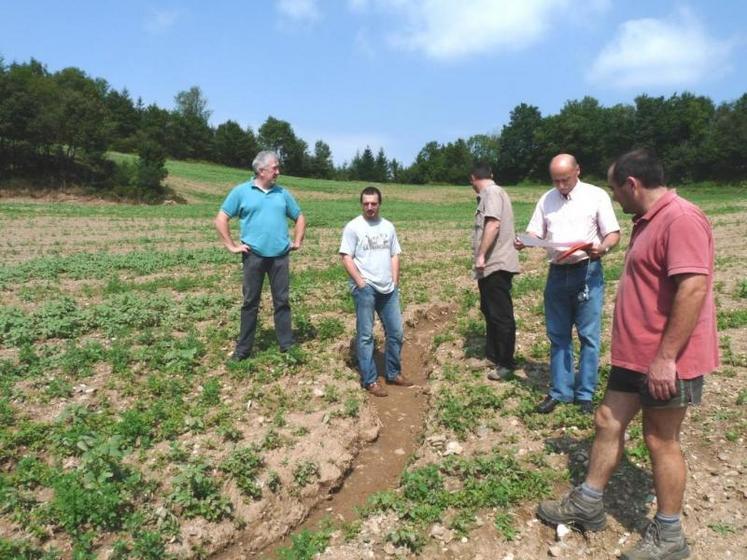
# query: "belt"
[[578, 264]]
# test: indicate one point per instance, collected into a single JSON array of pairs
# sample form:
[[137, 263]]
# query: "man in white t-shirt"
[[370, 254], [573, 212]]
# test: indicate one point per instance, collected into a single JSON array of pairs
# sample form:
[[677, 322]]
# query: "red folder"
[[580, 246]]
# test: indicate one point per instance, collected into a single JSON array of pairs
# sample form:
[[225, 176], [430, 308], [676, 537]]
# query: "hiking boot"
[[659, 542], [500, 373], [400, 380], [574, 509], [376, 390]]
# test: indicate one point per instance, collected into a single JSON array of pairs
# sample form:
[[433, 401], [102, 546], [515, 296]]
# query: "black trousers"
[[498, 308]]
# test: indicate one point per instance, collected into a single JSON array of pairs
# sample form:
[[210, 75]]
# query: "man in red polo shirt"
[[663, 344]]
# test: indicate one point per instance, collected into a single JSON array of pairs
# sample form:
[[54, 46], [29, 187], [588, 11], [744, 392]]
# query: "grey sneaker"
[[500, 373], [659, 543], [574, 509]]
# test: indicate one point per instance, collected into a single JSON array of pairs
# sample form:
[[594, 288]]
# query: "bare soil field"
[[126, 432]]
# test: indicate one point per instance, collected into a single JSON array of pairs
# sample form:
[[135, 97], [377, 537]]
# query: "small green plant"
[[330, 329], [149, 545], [636, 448], [408, 537], [731, 318], [197, 494], [742, 289], [211, 392], [722, 529], [504, 524], [351, 407], [442, 338], [273, 481], [331, 394], [462, 411], [22, 550], [306, 545], [351, 529], [243, 465], [305, 473], [462, 522], [539, 349]]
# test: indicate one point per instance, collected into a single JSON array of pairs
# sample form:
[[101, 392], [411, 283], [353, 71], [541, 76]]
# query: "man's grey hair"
[[262, 158]]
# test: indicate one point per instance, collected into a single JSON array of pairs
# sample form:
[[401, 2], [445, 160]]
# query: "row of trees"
[[695, 139], [59, 126]]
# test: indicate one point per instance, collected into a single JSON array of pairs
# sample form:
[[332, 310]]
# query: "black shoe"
[[547, 405], [238, 357], [586, 407]]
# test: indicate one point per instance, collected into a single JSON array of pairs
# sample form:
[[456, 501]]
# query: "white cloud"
[[158, 21], [451, 29], [299, 10], [660, 53]]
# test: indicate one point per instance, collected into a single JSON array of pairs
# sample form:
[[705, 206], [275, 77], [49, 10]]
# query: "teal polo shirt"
[[263, 217]]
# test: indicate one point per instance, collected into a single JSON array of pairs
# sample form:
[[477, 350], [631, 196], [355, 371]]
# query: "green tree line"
[[56, 128]]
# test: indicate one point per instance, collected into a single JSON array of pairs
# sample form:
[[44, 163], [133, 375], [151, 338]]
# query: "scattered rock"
[[437, 442], [453, 448], [370, 434], [555, 551], [561, 531]]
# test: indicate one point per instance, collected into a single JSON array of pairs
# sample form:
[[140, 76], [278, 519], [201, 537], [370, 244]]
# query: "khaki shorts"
[[689, 391]]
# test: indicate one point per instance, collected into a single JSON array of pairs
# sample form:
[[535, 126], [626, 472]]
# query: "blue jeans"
[[573, 296], [367, 301]]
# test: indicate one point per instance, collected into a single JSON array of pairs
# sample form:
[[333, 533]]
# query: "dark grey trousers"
[[255, 268]]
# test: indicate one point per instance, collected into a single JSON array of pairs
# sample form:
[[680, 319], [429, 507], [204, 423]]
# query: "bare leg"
[[611, 419], [661, 430]]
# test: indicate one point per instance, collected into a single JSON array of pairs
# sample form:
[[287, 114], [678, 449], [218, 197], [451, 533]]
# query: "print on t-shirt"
[[376, 241]]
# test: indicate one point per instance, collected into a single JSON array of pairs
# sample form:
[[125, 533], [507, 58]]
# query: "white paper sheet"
[[531, 241]]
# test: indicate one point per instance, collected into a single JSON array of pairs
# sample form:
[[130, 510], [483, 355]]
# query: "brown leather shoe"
[[400, 380], [376, 390]]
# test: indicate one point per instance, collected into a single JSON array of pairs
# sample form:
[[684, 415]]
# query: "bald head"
[[564, 171]]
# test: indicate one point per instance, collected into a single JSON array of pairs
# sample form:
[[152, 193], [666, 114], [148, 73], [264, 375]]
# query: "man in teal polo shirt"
[[263, 209]]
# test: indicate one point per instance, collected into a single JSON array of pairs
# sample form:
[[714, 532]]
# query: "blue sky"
[[388, 73]]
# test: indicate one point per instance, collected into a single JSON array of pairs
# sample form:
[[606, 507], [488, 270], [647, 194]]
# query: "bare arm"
[[352, 270], [395, 270], [608, 243], [689, 298], [221, 224], [298, 232], [489, 235]]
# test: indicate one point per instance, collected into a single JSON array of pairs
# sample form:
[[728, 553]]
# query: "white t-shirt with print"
[[372, 244]]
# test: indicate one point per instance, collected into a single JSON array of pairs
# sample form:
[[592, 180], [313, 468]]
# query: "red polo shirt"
[[673, 237]]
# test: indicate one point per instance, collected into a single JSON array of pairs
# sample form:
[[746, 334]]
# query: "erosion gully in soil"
[[379, 465]]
